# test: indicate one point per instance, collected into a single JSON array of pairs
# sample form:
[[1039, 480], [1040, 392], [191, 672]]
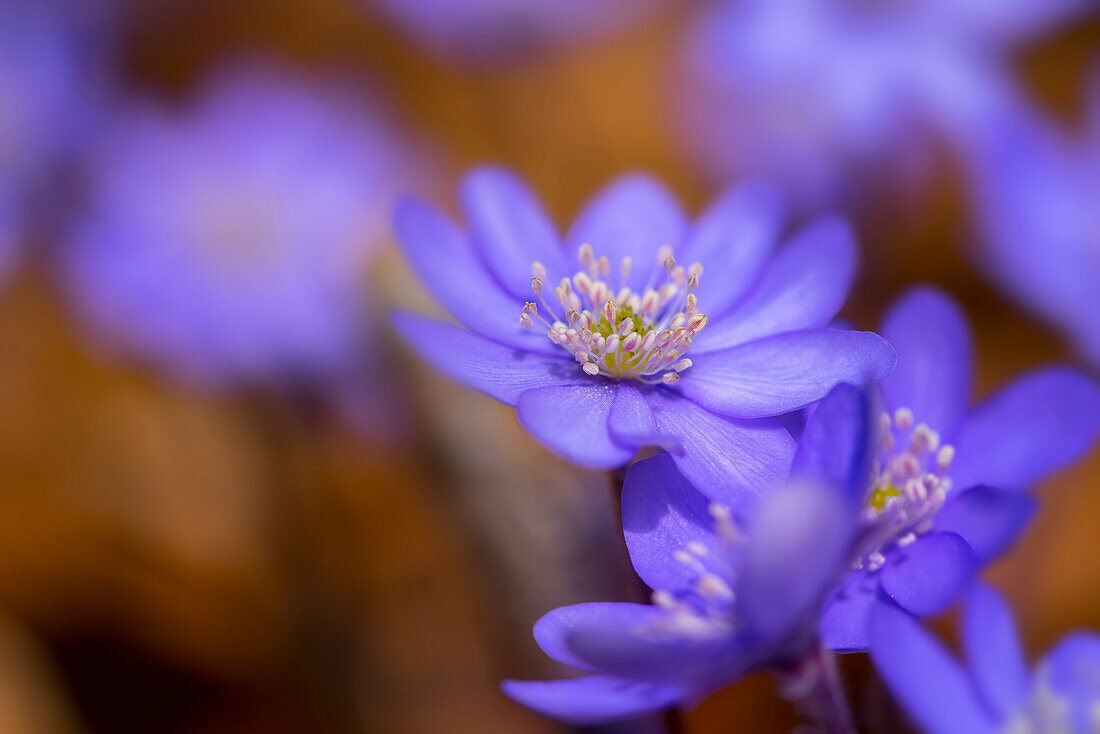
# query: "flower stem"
[[815, 687]]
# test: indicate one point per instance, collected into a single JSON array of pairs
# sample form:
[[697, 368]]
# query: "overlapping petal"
[[572, 421], [786, 371], [989, 519], [928, 575], [595, 699], [802, 287]]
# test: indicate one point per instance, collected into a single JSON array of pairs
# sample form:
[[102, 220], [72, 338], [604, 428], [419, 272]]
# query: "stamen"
[[624, 335]]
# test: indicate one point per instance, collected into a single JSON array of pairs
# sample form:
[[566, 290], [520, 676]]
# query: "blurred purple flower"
[[1035, 194], [727, 601], [826, 95], [490, 30], [607, 371], [949, 492], [51, 58], [992, 690], [230, 242]]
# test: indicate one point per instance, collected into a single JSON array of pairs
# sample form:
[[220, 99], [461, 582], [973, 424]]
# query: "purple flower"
[[49, 63], [736, 588], [950, 486], [617, 356], [1035, 193], [826, 95], [991, 690], [229, 242], [490, 30]]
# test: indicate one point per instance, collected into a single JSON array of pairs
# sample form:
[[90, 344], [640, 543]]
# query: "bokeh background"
[[177, 556]]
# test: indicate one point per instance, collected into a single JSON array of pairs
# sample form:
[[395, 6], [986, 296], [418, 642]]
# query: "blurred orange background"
[[180, 562]]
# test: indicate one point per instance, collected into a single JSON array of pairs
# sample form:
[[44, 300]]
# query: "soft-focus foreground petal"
[[732, 240], [840, 440], [572, 421], [446, 264], [989, 519], [932, 339], [595, 699], [785, 372], [1039, 424], [553, 629], [928, 575], [510, 228], [993, 651], [802, 287], [662, 513], [922, 676], [846, 615], [727, 459], [633, 217], [799, 538], [497, 370]]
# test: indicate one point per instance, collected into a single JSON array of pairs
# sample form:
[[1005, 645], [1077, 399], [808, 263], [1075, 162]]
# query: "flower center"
[[909, 487], [1045, 712], [622, 334], [707, 609]]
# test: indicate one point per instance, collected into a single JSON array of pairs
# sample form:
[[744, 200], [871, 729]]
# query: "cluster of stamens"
[[709, 610], [621, 334], [910, 485], [1045, 711]]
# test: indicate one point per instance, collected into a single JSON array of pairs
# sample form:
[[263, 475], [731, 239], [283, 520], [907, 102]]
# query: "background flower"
[[950, 490], [247, 259], [992, 690], [608, 370], [826, 95]]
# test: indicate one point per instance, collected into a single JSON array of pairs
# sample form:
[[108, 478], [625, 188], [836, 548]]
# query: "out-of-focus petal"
[[802, 287], [632, 217], [595, 699], [930, 685], [786, 371], [932, 339], [497, 370], [989, 519], [662, 513], [927, 576], [572, 422], [446, 263], [993, 651], [732, 240], [798, 542], [510, 229], [727, 459], [1039, 424]]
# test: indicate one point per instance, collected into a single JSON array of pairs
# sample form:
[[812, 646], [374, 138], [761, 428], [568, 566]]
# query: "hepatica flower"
[[949, 492], [490, 30], [821, 94], [736, 588], [229, 242], [1035, 192], [49, 57], [638, 327], [991, 690]]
